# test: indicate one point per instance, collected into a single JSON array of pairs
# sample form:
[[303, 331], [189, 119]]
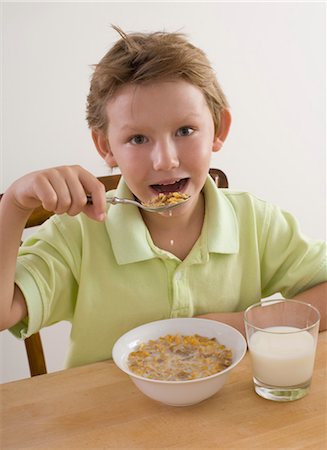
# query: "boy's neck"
[[177, 233]]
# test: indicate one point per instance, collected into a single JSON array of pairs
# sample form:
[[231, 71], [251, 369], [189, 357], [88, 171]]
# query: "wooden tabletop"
[[98, 407]]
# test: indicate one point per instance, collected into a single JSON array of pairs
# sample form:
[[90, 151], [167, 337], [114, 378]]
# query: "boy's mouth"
[[165, 188]]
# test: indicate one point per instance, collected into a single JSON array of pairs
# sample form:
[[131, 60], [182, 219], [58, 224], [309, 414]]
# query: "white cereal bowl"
[[180, 393]]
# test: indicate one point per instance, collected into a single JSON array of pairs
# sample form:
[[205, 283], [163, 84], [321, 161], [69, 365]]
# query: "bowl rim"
[[196, 380]]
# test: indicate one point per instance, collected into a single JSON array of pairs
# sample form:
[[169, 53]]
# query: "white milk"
[[282, 359]]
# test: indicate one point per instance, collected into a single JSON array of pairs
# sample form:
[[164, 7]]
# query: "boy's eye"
[[184, 131], [138, 139]]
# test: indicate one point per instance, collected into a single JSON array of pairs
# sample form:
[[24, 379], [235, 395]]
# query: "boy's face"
[[161, 136]]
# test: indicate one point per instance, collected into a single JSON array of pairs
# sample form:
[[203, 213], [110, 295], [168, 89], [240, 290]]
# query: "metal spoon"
[[126, 201]]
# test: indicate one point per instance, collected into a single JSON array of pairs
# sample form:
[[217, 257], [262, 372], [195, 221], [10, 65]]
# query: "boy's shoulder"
[[238, 196], [247, 205], [239, 193]]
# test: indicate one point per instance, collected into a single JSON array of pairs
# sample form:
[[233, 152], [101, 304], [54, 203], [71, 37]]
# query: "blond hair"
[[138, 58]]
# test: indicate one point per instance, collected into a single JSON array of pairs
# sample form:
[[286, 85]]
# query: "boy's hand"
[[61, 190]]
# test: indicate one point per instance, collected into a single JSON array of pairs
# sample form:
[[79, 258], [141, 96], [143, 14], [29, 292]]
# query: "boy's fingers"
[[97, 209], [63, 183], [45, 190], [95, 212], [75, 183], [63, 189]]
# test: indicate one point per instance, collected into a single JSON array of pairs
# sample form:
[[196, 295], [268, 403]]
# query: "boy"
[[156, 111]]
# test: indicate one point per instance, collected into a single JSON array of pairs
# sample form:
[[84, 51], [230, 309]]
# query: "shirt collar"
[[222, 224], [131, 241], [128, 233]]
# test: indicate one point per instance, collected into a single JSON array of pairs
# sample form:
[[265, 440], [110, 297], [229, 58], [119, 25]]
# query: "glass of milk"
[[282, 339]]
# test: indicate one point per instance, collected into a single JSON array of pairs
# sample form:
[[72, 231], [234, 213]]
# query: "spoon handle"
[[114, 201], [123, 201]]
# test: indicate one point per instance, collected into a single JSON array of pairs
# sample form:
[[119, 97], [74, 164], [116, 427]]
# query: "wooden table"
[[98, 407]]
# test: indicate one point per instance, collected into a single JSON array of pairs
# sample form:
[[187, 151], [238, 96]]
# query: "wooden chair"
[[33, 344]]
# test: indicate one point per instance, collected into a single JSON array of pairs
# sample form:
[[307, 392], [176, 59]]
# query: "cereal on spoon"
[[171, 198]]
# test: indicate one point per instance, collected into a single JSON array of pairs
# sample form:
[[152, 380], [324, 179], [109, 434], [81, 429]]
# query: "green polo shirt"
[[107, 278]]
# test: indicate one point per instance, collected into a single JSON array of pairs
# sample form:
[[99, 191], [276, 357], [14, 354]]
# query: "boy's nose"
[[165, 156]]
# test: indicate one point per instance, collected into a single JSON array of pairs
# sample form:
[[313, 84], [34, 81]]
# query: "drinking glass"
[[282, 338]]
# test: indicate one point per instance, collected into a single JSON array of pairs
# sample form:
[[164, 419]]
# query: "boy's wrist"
[[234, 319], [9, 202]]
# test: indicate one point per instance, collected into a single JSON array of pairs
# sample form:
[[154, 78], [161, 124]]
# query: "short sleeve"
[[290, 261], [46, 276]]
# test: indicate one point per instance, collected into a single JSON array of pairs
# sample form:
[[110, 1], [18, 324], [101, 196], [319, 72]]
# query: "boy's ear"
[[102, 145], [225, 122]]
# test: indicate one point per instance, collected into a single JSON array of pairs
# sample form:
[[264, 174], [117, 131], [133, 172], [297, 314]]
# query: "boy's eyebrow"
[[131, 128], [191, 116], [184, 120]]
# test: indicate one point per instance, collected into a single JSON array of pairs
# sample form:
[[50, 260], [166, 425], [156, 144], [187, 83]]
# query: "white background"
[[269, 59]]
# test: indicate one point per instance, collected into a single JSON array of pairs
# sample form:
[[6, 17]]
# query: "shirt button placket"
[[180, 306], [178, 275]]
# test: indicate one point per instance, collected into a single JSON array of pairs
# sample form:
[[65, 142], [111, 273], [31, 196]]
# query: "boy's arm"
[[12, 223], [61, 190], [234, 319], [316, 295]]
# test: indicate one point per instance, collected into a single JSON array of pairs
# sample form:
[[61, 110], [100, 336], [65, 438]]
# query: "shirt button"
[[178, 276]]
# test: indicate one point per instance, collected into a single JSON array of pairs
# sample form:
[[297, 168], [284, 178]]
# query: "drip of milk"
[[282, 356], [171, 240]]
